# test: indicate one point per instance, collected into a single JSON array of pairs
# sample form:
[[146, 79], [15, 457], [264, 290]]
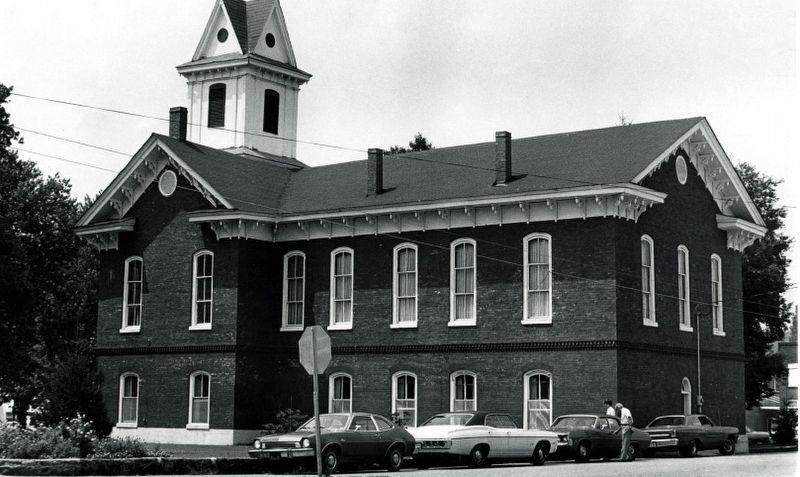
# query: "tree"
[[419, 143], [622, 120], [764, 281], [786, 425], [48, 300]]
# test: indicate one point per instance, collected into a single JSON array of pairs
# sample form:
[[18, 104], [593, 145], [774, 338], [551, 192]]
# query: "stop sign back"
[[315, 346]]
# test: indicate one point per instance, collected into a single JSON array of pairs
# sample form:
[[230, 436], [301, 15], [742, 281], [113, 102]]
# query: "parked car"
[[689, 434], [757, 438], [477, 439], [592, 436], [354, 438]]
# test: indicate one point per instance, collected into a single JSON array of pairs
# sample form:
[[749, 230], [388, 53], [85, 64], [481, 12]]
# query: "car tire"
[[584, 449], [539, 455], [478, 457], [632, 451], [690, 450], [394, 459], [330, 460], [728, 447]]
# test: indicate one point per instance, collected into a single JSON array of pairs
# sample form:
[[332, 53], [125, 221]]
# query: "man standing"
[[626, 421], [610, 408]]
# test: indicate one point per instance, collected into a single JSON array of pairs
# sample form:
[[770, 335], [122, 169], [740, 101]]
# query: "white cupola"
[[243, 81]]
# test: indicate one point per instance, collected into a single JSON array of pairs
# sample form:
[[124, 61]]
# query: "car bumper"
[[665, 444], [281, 454]]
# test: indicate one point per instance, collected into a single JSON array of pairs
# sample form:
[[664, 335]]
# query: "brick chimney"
[[502, 157], [375, 171], [177, 122]]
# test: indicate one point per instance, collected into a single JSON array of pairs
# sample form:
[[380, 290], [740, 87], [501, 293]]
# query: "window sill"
[[719, 333], [292, 328], [341, 326], [652, 323], [538, 321], [129, 329], [406, 324], [201, 326], [462, 323], [127, 425], [686, 328], [197, 427]]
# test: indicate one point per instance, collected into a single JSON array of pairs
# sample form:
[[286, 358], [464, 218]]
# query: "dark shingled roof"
[[543, 163], [248, 18]]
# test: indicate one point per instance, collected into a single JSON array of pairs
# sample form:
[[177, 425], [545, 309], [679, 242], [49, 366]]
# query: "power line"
[[101, 148], [67, 160]]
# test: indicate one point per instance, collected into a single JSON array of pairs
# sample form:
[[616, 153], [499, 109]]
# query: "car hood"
[[289, 437], [432, 432]]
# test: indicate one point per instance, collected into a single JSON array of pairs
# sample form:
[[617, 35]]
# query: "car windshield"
[[667, 421], [574, 421], [329, 421], [448, 420]]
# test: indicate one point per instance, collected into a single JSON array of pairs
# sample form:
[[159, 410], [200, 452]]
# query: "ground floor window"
[[200, 399], [404, 397], [463, 391], [340, 392], [538, 399], [686, 394], [128, 399]]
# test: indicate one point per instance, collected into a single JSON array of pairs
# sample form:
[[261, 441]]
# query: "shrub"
[[113, 448], [786, 429], [286, 421]]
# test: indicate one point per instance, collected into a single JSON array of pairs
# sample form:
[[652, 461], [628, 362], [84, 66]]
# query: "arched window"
[[132, 295], [537, 279], [294, 273], [684, 303], [686, 394], [272, 101], [199, 399], [463, 391], [341, 289], [538, 399], [405, 286], [716, 294], [648, 282], [404, 397], [128, 400], [340, 393], [216, 105], [203, 290], [462, 283]]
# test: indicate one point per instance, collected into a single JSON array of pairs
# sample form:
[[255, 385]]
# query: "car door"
[[714, 435], [603, 440], [499, 429], [384, 437], [614, 428], [359, 440]]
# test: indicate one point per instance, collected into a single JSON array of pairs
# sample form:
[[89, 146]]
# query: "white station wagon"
[[477, 439]]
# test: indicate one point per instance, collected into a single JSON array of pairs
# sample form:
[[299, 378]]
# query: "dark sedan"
[[689, 434], [354, 438], [595, 436]]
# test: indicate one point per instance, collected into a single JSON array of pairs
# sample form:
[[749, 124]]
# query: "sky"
[[454, 70]]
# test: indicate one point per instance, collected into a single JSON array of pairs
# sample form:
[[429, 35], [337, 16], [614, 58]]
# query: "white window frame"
[[453, 377], [345, 325], [198, 425], [542, 319], [651, 298], [527, 393], [686, 395], [120, 422], [463, 321], [684, 306], [716, 306], [396, 284], [332, 388], [285, 326], [125, 327], [395, 378], [195, 258]]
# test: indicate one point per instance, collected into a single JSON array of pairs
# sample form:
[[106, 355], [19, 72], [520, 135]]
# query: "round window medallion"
[[167, 183], [680, 169], [270, 40], [222, 35]]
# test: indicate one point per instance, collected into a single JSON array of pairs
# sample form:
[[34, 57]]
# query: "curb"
[[134, 466]]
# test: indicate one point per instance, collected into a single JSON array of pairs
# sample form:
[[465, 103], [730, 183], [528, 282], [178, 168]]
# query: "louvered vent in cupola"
[[216, 105]]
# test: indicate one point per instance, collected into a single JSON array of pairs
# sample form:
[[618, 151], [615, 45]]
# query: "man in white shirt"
[[626, 421], [610, 408]]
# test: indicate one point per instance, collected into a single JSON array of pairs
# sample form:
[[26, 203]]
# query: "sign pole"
[[316, 405]]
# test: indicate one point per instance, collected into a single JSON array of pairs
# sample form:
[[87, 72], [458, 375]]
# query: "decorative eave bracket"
[[105, 236], [741, 233]]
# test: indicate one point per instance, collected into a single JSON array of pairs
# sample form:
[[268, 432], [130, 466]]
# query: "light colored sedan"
[[477, 439]]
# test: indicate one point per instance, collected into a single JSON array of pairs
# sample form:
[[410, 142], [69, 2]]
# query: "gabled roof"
[[248, 18]]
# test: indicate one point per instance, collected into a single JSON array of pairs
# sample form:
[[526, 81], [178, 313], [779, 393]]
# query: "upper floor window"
[[294, 272], [132, 295], [405, 286], [537, 279], [404, 397], [272, 101], [463, 391], [648, 282], [128, 400], [340, 391], [538, 399], [216, 105], [341, 289], [716, 294], [202, 290], [199, 399], [462, 283], [684, 303]]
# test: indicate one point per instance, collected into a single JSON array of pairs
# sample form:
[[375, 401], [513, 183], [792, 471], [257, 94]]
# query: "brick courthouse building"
[[537, 276]]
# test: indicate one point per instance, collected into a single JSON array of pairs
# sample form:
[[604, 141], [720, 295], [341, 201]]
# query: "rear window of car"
[[705, 421], [382, 423], [586, 421], [500, 421], [448, 420], [362, 423], [667, 421]]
